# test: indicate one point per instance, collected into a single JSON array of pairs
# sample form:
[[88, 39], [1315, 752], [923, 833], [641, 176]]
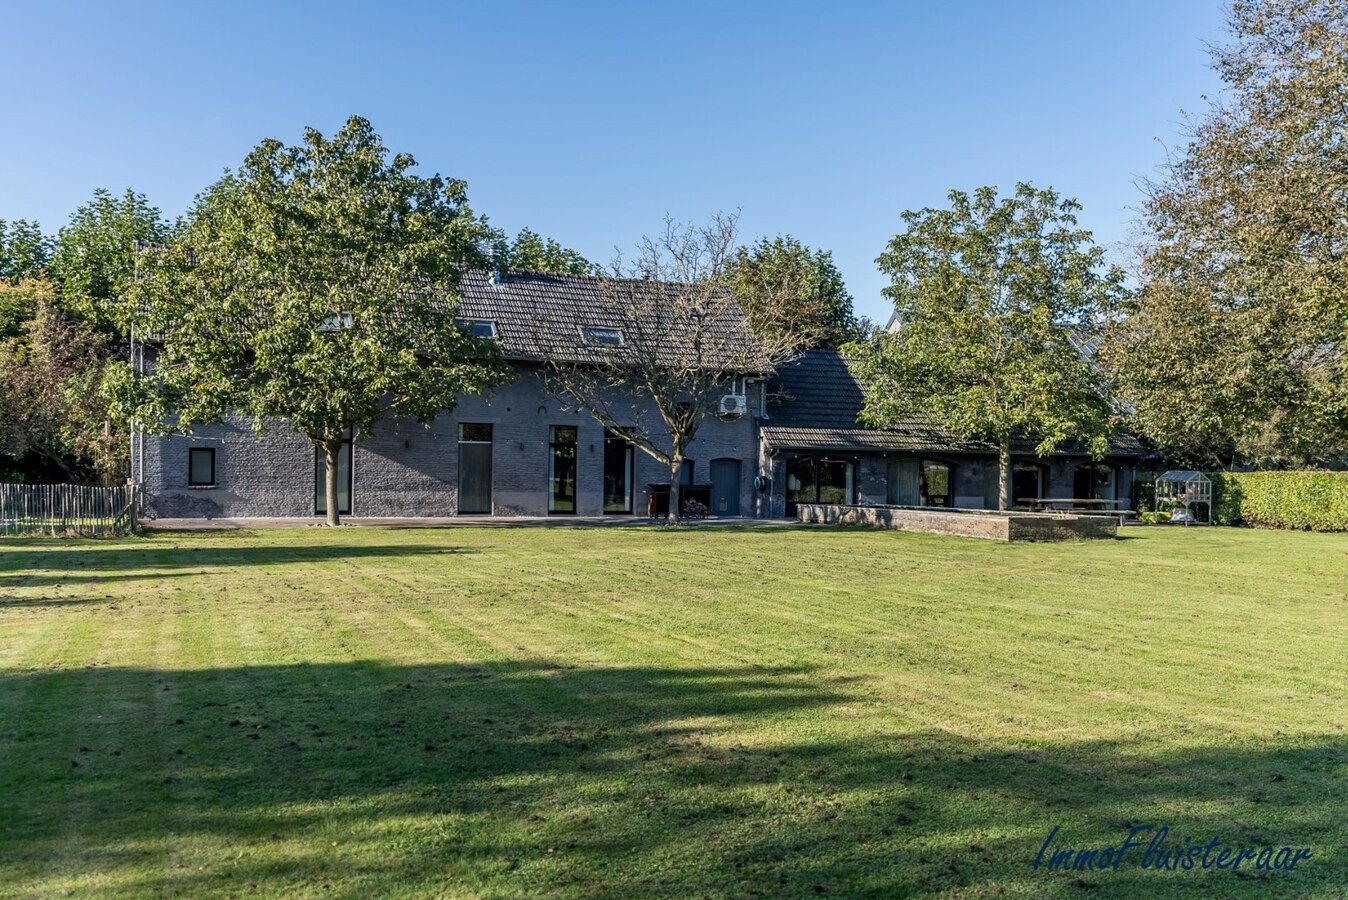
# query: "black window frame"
[[192, 450], [816, 461], [471, 436], [556, 443], [611, 442], [923, 494], [1096, 467]]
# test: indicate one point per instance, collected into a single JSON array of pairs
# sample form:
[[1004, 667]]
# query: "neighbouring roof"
[[814, 402], [543, 314]]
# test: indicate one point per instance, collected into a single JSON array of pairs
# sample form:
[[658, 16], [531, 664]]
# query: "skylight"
[[337, 322], [482, 328], [602, 337]]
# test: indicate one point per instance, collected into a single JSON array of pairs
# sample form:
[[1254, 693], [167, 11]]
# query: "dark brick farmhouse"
[[784, 438]]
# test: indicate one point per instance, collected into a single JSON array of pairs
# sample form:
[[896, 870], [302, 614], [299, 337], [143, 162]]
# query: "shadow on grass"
[[90, 562], [7, 602], [530, 778]]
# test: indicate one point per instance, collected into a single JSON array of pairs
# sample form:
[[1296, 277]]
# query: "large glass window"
[[812, 479], [1026, 483], [1093, 481], [562, 469], [934, 483], [343, 479], [474, 467], [835, 481], [201, 467], [618, 457]]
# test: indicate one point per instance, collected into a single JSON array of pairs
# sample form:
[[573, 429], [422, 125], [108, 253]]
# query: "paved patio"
[[450, 521]]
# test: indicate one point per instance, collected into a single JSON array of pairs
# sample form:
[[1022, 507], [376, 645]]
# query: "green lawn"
[[691, 712]]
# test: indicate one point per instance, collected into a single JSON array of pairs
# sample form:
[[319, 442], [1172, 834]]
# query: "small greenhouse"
[[1188, 496]]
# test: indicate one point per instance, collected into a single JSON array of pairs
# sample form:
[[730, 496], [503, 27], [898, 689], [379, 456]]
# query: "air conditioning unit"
[[734, 405]]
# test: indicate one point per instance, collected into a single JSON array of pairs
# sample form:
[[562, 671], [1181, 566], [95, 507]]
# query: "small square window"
[[201, 467], [602, 337], [564, 434]]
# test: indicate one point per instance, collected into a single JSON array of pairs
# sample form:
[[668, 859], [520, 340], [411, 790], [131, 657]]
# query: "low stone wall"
[[988, 524]]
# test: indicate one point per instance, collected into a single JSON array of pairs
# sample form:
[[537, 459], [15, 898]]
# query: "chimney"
[[494, 272]]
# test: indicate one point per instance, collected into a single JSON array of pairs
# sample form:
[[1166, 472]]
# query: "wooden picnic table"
[[1043, 503]]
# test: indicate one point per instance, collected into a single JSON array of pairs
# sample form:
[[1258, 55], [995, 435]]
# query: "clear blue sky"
[[589, 122]]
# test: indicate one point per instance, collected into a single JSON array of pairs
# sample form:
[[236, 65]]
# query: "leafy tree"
[[53, 409], [995, 296], [1238, 340], [19, 302], [533, 253], [95, 257], [786, 288], [317, 284], [23, 249]]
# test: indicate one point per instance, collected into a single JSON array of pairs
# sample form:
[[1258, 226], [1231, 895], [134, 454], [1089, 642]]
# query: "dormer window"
[[483, 328], [338, 322], [601, 337]]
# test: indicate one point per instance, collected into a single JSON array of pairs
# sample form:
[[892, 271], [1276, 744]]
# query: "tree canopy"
[[535, 253], [94, 260], [787, 289], [317, 284], [994, 297], [53, 413], [1237, 348], [23, 248]]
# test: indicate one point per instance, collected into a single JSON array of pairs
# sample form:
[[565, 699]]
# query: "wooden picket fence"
[[73, 509]]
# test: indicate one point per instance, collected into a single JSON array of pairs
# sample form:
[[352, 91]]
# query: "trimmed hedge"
[[1314, 501]]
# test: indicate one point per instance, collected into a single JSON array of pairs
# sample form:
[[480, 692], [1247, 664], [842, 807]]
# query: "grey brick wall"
[[406, 469]]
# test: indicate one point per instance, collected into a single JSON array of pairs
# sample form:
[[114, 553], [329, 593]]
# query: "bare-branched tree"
[[665, 341]]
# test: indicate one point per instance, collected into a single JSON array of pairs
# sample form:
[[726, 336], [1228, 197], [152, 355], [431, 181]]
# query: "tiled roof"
[[906, 438], [540, 314], [814, 402]]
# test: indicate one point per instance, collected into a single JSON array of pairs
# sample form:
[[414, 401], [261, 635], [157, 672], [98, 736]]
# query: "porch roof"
[[814, 402]]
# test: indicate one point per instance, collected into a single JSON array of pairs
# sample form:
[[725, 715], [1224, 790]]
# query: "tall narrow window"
[[934, 483], [562, 470], [474, 468], [343, 479], [1027, 482], [618, 456], [201, 467]]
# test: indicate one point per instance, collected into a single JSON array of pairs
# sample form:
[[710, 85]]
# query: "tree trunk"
[[332, 451], [675, 472], [1004, 499]]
